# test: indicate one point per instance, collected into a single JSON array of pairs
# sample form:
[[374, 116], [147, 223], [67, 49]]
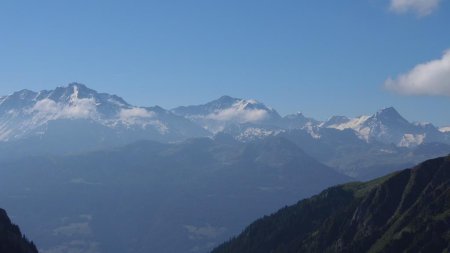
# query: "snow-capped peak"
[[220, 113], [388, 126], [22, 112]]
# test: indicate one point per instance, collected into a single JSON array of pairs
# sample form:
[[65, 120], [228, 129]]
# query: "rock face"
[[11, 239], [408, 211]]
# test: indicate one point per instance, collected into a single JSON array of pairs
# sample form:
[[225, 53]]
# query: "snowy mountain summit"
[[386, 126], [26, 113], [219, 114]]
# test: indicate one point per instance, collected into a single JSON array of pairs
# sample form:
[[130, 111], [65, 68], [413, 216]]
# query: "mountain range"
[[408, 211], [75, 119], [88, 172], [28, 114]]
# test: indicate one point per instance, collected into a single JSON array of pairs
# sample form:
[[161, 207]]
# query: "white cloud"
[[412, 140], [134, 115], [76, 109], [240, 113], [142, 117], [80, 108], [46, 106], [430, 78], [421, 7]]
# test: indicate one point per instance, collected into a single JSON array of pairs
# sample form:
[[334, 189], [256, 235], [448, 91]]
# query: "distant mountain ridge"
[[145, 196], [408, 211], [26, 113], [76, 119], [216, 115], [388, 126]]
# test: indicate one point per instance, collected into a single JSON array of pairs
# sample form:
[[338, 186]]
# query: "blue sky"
[[319, 57]]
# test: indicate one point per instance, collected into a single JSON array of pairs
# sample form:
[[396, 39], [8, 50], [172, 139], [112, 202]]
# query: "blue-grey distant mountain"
[[348, 153], [155, 197]]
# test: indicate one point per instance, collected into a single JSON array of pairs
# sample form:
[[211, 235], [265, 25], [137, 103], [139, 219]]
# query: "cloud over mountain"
[[240, 112], [430, 78]]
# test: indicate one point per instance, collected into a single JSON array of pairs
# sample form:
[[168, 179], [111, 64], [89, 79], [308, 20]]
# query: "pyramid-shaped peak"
[[389, 112], [225, 100]]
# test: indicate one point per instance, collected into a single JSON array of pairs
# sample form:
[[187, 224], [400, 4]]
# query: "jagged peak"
[[78, 88], [78, 85]]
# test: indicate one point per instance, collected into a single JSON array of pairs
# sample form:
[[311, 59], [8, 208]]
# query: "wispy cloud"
[[142, 117], [430, 78], [135, 113], [239, 112], [79, 108], [420, 7], [241, 116]]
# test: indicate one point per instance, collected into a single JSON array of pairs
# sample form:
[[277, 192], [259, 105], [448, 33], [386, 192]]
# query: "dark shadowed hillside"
[[11, 239], [408, 211]]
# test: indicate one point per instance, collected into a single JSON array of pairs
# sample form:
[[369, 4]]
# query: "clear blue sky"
[[318, 57]]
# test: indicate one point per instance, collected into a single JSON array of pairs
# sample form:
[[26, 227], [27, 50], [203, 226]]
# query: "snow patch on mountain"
[[445, 129], [312, 130], [254, 133], [357, 124]]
